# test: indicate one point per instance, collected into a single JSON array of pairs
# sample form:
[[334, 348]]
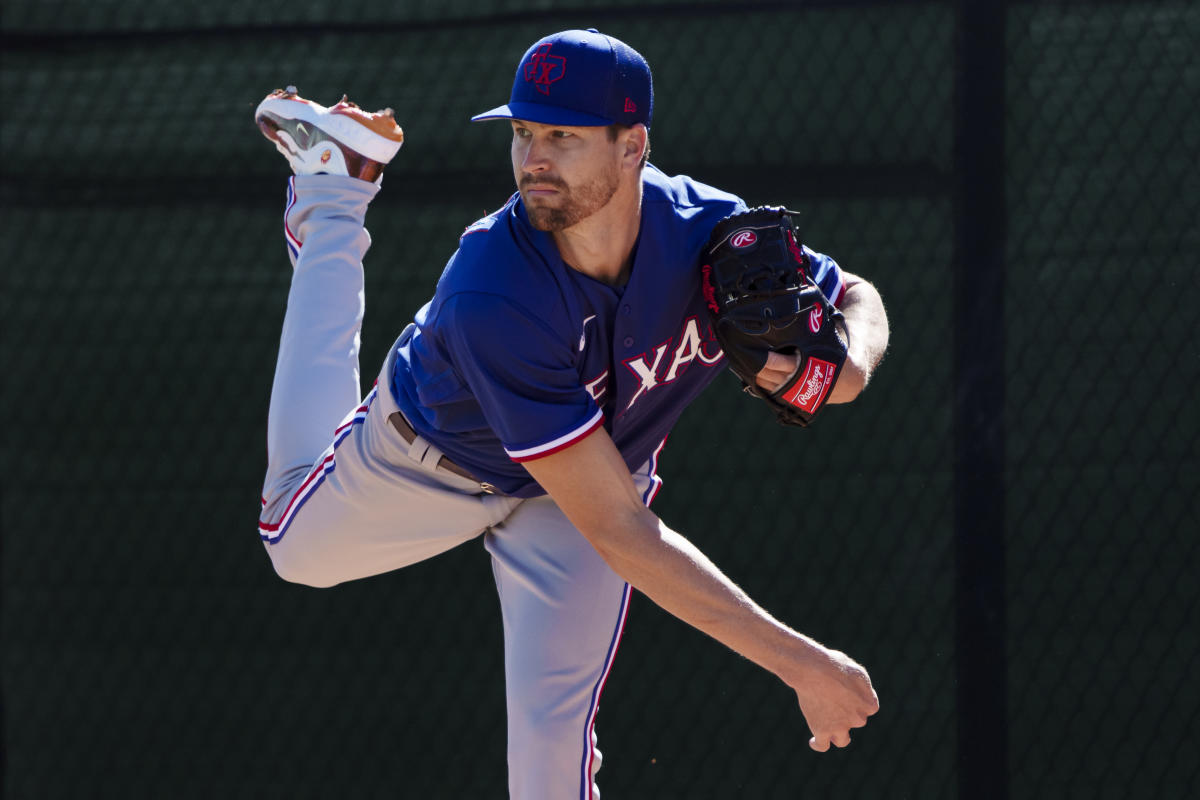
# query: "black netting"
[[1104, 199], [148, 649]]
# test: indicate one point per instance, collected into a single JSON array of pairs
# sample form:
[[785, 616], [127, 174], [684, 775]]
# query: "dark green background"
[[148, 649]]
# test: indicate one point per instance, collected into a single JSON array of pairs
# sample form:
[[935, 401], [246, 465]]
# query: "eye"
[[561, 134], [521, 133]]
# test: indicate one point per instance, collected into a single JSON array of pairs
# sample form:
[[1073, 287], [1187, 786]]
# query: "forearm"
[[676, 576], [591, 485], [867, 333], [834, 692]]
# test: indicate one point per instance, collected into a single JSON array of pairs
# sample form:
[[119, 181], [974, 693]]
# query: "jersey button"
[[626, 310], [629, 341]]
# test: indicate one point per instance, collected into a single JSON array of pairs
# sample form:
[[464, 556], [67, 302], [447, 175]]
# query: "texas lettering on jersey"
[[652, 370]]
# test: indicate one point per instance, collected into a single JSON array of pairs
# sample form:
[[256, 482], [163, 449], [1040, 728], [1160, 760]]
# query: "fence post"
[[979, 399]]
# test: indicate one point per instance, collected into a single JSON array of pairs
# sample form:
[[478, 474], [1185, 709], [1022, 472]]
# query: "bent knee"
[[298, 568]]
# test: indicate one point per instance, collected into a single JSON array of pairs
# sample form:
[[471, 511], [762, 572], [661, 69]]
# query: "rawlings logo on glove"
[[758, 285]]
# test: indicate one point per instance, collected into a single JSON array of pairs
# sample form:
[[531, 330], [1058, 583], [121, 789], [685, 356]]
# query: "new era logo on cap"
[[579, 78]]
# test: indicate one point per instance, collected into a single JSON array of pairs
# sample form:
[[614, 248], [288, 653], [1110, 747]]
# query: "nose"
[[532, 156]]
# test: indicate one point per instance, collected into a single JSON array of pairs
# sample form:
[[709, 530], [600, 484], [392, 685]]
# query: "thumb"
[[820, 746]]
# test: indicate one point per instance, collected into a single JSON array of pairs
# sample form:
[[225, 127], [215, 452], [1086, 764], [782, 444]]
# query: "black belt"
[[408, 434]]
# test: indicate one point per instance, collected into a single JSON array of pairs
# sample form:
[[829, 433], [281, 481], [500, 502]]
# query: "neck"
[[601, 246]]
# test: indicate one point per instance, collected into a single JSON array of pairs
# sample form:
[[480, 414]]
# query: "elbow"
[[868, 332], [860, 365], [621, 540], [850, 383]]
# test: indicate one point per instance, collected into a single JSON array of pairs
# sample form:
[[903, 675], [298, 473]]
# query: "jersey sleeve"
[[828, 275], [521, 372]]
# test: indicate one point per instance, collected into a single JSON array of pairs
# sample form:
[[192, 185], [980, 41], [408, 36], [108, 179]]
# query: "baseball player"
[[528, 401]]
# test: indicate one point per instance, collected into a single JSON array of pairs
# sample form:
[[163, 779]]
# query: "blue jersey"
[[518, 355]]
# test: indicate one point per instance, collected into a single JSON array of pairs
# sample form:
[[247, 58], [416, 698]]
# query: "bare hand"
[[778, 369], [835, 696]]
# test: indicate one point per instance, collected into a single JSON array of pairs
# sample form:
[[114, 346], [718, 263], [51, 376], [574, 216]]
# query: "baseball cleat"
[[341, 140]]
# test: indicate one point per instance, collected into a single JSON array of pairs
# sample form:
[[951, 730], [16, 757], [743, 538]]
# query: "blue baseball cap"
[[579, 78]]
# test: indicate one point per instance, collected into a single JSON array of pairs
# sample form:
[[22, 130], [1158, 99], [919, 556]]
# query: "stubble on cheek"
[[571, 207]]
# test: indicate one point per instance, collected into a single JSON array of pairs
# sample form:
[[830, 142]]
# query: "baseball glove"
[[757, 281]]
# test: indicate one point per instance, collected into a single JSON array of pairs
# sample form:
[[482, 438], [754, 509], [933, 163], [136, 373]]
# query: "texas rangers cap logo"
[[743, 238], [544, 69]]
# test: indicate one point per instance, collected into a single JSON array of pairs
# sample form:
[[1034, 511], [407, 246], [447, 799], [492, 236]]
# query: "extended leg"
[[343, 501], [338, 155], [317, 372]]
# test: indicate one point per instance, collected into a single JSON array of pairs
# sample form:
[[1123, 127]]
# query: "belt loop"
[[416, 449], [431, 456]]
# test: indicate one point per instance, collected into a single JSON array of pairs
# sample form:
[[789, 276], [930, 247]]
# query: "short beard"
[[577, 205]]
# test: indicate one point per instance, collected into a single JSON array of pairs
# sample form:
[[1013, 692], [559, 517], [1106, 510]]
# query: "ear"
[[634, 141]]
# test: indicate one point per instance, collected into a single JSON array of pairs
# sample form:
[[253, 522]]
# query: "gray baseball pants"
[[346, 497]]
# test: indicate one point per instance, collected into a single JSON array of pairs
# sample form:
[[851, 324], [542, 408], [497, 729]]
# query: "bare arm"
[[867, 332], [591, 484]]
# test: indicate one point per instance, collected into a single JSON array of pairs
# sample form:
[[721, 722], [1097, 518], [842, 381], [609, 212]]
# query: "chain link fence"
[[1104, 365], [148, 649]]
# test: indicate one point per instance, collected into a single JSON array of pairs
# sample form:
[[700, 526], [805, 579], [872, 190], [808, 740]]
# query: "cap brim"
[[546, 115]]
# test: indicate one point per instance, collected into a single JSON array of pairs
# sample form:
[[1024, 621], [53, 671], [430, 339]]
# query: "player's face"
[[564, 174]]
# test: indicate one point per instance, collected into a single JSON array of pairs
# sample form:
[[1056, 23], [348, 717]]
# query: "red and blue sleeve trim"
[[561, 443]]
